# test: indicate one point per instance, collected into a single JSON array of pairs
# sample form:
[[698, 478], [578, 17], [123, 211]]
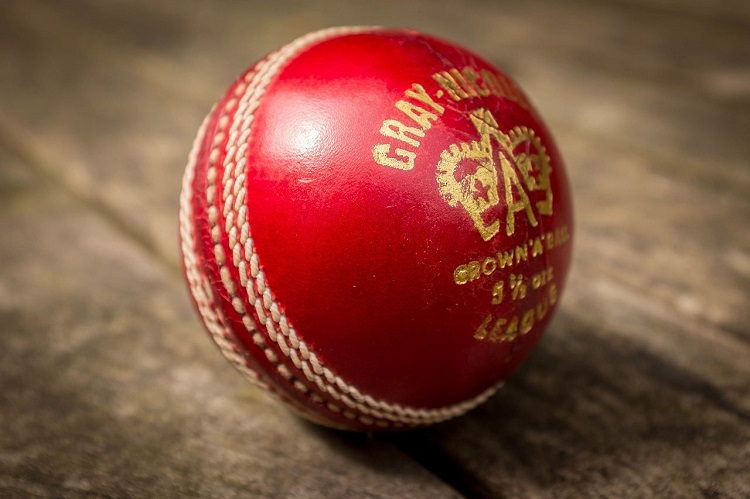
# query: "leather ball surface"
[[375, 227]]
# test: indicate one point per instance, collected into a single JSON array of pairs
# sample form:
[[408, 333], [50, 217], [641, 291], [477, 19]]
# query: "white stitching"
[[197, 282], [241, 245]]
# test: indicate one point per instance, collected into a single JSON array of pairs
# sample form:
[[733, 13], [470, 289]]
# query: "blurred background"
[[110, 387]]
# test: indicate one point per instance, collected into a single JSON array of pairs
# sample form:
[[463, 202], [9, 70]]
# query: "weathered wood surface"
[[640, 388]]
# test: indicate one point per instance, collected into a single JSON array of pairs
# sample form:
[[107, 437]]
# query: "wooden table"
[[110, 388]]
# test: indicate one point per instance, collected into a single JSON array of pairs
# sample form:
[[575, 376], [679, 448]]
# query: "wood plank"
[[683, 244], [689, 53], [640, 387], [641, 380], [110, 389], [135, 164], [595, 413], [734, 12], [115, 140], [122, 68]]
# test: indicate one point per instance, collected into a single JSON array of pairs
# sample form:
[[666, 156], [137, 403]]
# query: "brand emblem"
[[476, 175]]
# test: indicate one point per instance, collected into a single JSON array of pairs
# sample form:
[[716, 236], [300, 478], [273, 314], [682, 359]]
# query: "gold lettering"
[[541, 278], [470, 91], [489, 265], [421, 117], [522, 253], [541, 309], [490, 330], [490, 81], [482, 332], [536, 281], [476, 190], [461, 274], [528, 251], [532, 161], [511, 332], [472, 77], [418, 92], [537, 248], [505, 258], [511, 181], [518, 287], [549, 238], [528, 321], [403, 159], [499, 329], [473, 270], [495, 333], [498, 292], [506, 90], [466, 83], [552, 293], [467, 272], [380, 154], [399, 131], [446, 81]]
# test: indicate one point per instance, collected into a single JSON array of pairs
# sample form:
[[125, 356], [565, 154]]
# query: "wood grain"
[[639, 389], [111, 389]]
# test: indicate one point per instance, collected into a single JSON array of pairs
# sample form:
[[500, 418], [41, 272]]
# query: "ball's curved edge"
[[300, 379]]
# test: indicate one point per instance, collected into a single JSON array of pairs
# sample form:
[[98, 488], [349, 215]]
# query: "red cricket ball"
[[375, 226]]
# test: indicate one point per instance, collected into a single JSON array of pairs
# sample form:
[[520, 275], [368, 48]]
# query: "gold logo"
[[468, 175]]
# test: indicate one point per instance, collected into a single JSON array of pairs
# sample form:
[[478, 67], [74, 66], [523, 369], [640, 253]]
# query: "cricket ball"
[[375, 227]]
